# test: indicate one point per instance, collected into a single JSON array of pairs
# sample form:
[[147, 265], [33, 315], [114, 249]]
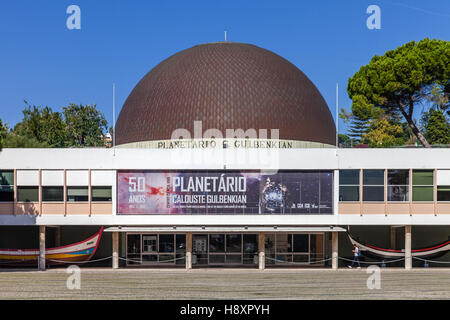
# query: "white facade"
[[98, 166]]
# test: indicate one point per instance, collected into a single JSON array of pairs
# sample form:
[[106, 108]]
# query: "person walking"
[[356, 253]]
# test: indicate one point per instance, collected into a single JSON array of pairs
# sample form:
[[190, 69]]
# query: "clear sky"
[[43, 62]]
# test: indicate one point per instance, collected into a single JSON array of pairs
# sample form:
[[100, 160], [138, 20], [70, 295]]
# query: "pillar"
[[261, 251], [115, 258], [41, 262], [408, 256], [188, 250], [393, 237], [58, 236], [334, 250]]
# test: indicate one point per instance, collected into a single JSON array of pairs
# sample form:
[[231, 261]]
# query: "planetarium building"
[[225, 155]]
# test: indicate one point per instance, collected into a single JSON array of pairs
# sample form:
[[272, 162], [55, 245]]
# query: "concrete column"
[[115, 243], [334, 250], [261, 251], [393, 237], [408, 256], [188, 250], [58, 236], [41, 262]]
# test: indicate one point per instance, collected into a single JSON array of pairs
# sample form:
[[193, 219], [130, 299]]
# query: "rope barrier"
[[373, 262], [432, 261], [290, 262], [89, 261], [165, 261]]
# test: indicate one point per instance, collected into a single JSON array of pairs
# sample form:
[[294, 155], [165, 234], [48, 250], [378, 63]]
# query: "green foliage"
[[384, 132], [77, 126], [436, 126], [85, 125], [43, 125], [400, 80], [14, 140], [3, 132]]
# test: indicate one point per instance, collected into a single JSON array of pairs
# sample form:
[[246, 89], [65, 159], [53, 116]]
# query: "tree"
[[400, 80], [436, 127], [3, 132], [384, 132], [43, 125], [85, 125]]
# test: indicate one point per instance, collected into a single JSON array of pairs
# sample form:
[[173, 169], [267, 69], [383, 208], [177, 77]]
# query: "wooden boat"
[[431, 252], [78, 252]]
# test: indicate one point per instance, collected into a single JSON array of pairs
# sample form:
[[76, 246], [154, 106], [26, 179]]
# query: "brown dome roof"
[[226, 86]]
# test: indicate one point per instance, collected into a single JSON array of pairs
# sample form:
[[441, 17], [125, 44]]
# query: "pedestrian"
[[356, 253]]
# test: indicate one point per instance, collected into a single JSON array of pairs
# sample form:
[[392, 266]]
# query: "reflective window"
[[398, 185], [216, 243], [28, 194], [6, 186], [77, 194], [53, 194], [349, 185], [373, 185], [234, 243], [101, 194], [166, 243], [423, 185]]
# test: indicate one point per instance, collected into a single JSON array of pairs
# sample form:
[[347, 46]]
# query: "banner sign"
[[227, 192]]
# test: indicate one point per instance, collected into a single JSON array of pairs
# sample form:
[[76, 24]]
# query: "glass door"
[[200, 249]]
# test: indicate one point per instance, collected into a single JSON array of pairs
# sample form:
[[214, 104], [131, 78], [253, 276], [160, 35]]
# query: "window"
[[422, 185], [443, 193], [101, 194], [7, 186], [216, 243], [398, 185], [349, 185], [373, 185], [52, 194], [28, 194], [77, 194]]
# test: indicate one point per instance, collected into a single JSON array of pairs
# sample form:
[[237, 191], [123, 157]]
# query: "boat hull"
[[74, 253]]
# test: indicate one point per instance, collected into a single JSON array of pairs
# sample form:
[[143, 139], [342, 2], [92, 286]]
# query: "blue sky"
[[120, 41]]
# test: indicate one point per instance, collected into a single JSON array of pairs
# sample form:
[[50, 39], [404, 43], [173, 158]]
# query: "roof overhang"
[[209, 229]]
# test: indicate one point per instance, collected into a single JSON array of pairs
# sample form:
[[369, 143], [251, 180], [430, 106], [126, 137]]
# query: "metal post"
[[42, 248], [261, 249], [115, 259], [334, 250], [188, 250], [408, 256]]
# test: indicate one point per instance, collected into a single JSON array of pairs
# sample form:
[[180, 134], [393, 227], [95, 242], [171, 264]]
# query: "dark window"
[[52, 194], [77, 194], [6, 194], [301, 243], [373, 185], [6, 186], [28, 194], [443, 193], [349, 177], [217, 243], [101, 194], [166, 243], [349, 185], [234, 243]]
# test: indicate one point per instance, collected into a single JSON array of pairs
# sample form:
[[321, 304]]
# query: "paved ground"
[[225, 284]]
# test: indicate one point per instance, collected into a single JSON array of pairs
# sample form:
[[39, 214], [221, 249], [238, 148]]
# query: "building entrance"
[[225, 249]]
